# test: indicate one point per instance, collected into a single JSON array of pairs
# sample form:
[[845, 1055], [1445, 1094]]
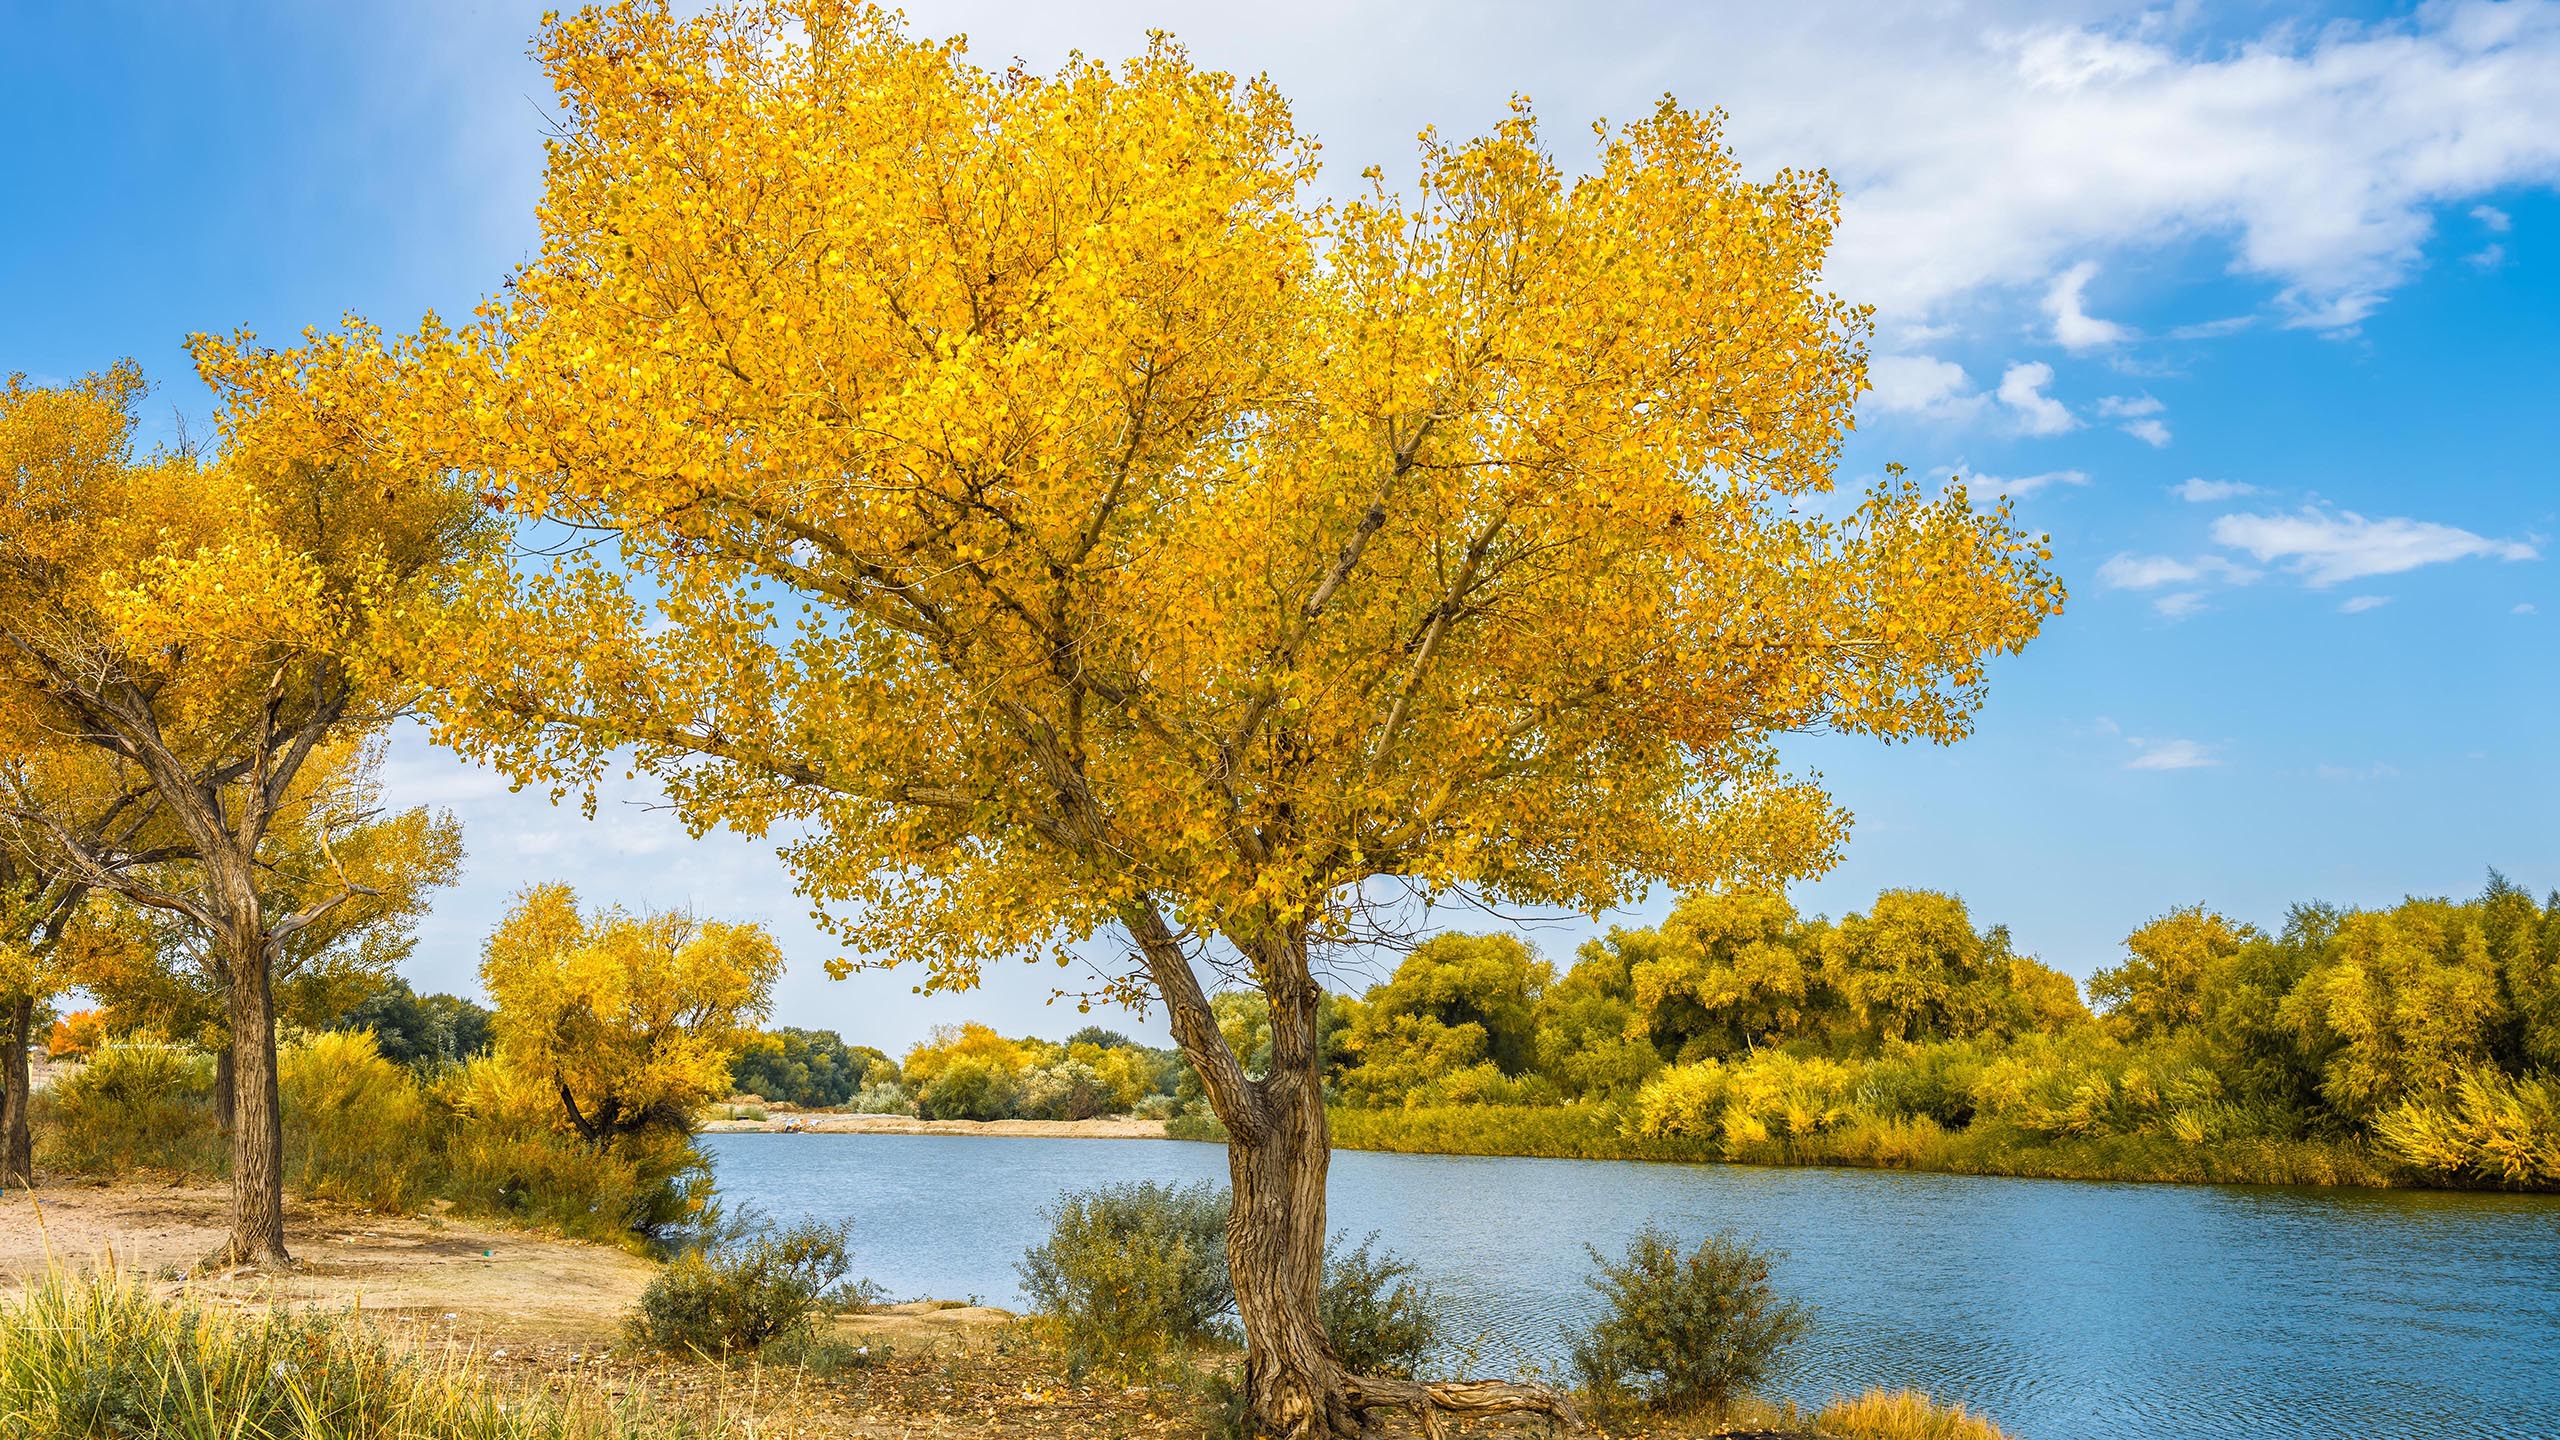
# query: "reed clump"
[[98, 1356]]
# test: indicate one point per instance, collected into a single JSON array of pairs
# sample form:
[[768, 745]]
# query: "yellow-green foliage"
[[631, 1020], [354, 1122], [136, 1105], [1767, 1097], [98, 1355], [2490, 1126], [506, 1151], [1901, 1415]]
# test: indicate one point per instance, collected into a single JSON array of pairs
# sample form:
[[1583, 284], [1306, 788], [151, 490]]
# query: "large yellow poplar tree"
[[1019, 493], [216, 627]]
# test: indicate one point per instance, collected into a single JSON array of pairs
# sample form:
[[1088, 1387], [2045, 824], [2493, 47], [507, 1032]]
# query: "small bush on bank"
[[354, 1123], [739, 1295], [1901, 1415], [505, 1153], [887, 1097], [134, 1106], [1382, 1321], [98, 1355], [1684, 1331], [1129, 1271]]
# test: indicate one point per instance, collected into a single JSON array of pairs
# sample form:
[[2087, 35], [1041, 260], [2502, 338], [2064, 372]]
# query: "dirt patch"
[[468, 1277]]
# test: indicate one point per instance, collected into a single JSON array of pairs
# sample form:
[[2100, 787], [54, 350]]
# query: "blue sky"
[[2252, 307]]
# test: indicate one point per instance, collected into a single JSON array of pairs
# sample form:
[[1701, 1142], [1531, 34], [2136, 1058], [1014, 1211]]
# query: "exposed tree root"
[[234, 1259], [1430, 1401]]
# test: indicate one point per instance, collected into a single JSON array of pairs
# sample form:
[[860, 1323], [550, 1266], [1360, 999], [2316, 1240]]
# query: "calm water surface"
[[2064, 1310]]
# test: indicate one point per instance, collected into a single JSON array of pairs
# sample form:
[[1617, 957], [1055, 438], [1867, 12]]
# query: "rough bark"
[[17, 1150], [257, 1129], [1279, 1149], [225, 1087]]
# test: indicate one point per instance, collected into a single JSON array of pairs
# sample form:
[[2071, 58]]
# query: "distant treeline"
[[2414, 1044]]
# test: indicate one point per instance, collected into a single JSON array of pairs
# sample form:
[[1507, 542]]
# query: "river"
[[2063, 1310]]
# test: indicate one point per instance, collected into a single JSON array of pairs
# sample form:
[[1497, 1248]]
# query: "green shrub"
[[135, 1106], [886, 1097], [737, 1296], [98, 1355], [1129, 1271], [1381, 1320], [2491, 1127], [356, 1125], [1068, 1090], [1684, 1331], [969, 1089]]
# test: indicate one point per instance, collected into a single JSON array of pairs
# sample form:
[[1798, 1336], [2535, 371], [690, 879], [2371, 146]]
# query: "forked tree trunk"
[[1278, 1151], [257, 1114], [17, 1149]]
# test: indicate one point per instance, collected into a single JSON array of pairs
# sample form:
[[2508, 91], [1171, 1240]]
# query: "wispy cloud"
[[2017, 487], [2128, 571], [2154, 433], [2196, 490], [2493, 219], [2358, 604], [2036, 413], [2352, 774], [2170, 755], [2179, 604], [2330, 547]]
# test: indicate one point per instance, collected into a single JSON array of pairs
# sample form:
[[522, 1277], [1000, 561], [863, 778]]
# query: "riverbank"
[[1597, 1132], [786, 1121], [539, 1313]]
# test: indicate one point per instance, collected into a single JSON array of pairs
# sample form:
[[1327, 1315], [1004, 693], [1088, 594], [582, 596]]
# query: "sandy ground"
[[460, 1277], [780, 1120]]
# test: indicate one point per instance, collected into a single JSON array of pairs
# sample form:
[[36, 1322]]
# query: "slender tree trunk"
[[257, 1128], [17, 1149]]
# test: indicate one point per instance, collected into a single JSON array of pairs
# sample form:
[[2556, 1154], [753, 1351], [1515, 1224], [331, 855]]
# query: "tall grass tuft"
[[1901, 1415], [96, 1356]]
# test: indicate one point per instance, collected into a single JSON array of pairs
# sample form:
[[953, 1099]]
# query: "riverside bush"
[[1382, 1321], [135, 1105], [1684, 1331], [1130, 1271], [352, 1123], [98, 1355], [748, 1289]]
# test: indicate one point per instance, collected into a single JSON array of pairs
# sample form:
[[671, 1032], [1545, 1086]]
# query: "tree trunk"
[[1275, 1254], [17, 1150], [1278, 1150], [225, 1083], [257, 1116]]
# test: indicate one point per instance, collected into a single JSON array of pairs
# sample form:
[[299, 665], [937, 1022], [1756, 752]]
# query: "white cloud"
[[2358, 604], [2154, 433], [2128, 407], [2169, 755], [2213, 329], [2329, 547], [2022, 390], [2179, 604], [2524, 608], [2018, 487], [1922, 385], [2074, 328], [2196, 490], [2493, 219], [2487, 257], [2149, 572]]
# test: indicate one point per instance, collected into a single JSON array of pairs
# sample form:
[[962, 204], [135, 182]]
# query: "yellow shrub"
[[1901, 1415]]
